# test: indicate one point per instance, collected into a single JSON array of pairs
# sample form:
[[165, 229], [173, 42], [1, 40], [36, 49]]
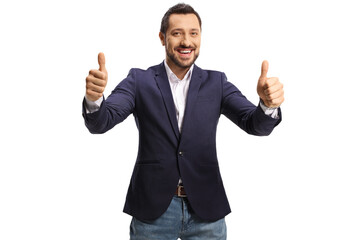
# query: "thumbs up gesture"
[[270, 90], [96, 80]]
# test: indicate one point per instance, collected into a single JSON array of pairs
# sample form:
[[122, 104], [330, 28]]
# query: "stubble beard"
[[178, 63]]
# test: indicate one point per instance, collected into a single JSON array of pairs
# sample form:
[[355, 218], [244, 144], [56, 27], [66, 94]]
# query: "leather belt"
[[180, 191]]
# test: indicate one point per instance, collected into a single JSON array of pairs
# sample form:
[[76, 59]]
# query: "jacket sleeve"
[[243, 113], [115, 109]]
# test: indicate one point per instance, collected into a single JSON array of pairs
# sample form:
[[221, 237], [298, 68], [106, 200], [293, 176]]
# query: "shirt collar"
[[173, 78]]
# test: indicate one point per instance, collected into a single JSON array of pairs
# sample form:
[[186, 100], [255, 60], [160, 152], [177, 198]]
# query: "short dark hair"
[[180, 8]]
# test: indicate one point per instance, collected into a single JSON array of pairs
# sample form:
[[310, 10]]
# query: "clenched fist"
[[270, 89], [96, 80]]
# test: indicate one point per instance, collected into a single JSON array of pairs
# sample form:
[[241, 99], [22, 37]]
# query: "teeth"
[[187, 51]]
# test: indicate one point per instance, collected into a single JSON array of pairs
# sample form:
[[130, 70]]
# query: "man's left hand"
[[270, 90]]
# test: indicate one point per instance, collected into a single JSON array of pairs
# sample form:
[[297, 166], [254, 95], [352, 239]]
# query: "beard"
[[178, 62]]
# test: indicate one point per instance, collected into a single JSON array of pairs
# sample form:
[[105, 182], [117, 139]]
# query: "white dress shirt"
[[179, 89]]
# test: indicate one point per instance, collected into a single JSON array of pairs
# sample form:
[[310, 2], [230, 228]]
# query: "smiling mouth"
[[184, 52]]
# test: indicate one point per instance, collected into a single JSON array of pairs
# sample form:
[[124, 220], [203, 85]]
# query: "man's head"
[[180, 33]]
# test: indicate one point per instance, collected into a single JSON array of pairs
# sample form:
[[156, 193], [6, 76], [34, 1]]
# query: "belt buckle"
[[179, 191]]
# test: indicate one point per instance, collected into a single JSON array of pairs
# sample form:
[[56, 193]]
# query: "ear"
[[162, 38]]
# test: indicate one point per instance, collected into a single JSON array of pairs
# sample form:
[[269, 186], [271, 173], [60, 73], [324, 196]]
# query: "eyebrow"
[[181, 29]]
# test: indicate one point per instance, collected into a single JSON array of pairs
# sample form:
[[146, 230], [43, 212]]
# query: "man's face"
[[182, 40]]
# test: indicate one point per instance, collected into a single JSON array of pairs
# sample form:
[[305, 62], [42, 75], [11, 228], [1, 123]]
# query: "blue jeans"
[[179, 221]]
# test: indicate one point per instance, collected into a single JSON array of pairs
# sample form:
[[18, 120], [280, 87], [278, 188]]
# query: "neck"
[[180, 72]]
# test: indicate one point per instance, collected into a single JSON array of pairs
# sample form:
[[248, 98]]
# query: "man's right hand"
[[96, 80]]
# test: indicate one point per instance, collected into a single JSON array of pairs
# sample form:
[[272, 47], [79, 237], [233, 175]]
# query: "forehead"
[[183, 21]]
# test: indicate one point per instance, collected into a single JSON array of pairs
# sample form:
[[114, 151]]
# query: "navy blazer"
[[164, 154]]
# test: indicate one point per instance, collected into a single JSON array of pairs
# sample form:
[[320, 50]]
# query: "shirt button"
[[181, 154]]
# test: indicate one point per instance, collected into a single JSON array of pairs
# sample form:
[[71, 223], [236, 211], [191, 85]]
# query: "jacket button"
[[181, 154]]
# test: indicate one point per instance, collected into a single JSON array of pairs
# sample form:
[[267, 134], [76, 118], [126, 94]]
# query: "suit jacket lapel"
[[162, 82], [195, 83]]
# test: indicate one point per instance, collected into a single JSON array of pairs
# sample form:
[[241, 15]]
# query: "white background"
[[58, 181]]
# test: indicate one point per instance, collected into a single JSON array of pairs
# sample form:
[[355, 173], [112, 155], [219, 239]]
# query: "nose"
[[185, 41]]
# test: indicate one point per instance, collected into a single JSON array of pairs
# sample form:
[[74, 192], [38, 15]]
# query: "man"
[[176, 189]]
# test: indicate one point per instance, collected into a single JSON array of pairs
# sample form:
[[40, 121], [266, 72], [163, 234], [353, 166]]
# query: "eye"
[[176, 34], [194, 34]]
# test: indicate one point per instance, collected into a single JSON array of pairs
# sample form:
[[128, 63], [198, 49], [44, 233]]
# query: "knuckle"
[[89, 84], [104, 76]]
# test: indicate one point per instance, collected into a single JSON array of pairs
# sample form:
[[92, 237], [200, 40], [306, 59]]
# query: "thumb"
[[101, 60], [264, 69]]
